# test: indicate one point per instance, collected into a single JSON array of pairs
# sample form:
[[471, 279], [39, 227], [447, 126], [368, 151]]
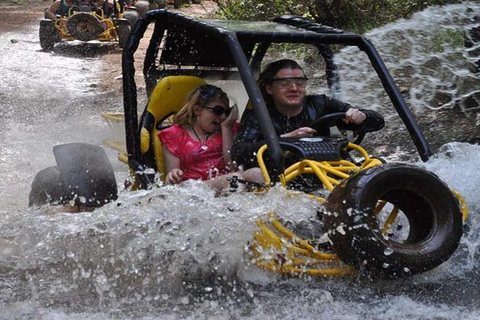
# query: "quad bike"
[[385, 220], [86, 21]]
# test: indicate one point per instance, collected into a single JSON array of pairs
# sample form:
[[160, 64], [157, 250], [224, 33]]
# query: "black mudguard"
[[83, 177], [87, 174]]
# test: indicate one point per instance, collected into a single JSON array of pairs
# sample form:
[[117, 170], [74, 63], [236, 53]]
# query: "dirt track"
[[25, 16], [53, 98]]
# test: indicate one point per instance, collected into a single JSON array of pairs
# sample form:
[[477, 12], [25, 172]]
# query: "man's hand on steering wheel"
[[330, 120], [354, 116], [300, 133]]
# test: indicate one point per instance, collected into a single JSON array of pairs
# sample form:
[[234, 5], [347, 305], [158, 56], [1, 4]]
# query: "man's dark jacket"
[[250, 137]]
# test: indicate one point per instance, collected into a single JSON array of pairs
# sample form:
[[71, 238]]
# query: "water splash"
[[179, 251], [434, 59]]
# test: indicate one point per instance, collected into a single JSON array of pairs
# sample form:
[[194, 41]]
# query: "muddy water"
[[174, 252]]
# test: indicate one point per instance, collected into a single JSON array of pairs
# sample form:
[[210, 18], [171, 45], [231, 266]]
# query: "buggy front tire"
[[431, 213], [48, 35]]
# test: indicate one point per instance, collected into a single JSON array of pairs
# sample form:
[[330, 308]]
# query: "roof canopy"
[[198, 43]]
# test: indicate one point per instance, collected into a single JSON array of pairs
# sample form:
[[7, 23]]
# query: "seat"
[[167, 98]]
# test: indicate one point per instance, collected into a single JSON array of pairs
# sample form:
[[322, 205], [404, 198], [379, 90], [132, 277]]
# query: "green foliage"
[[259, 9], [352, 15], [447, 38]]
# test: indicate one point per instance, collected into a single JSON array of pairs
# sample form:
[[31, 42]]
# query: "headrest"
[[170, 95]]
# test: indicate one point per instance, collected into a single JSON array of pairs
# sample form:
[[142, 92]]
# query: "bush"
[[352, 15]]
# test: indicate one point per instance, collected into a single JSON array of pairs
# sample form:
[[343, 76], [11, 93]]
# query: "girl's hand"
[[174, 176], [232, 118]]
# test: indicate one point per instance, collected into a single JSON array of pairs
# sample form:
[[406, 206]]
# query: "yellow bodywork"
[[277, 249]]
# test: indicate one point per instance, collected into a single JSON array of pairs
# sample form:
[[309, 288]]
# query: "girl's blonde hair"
[[200, 96]]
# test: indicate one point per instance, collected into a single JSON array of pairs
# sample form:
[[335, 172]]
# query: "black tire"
[[142, 6], [83, 177], [123, 31], [84, 26], [131, 15], [48, 187], [87, 174], [48, 35], [428, 207]]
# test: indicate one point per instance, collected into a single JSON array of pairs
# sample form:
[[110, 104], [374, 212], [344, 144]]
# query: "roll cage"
[[223, 49]]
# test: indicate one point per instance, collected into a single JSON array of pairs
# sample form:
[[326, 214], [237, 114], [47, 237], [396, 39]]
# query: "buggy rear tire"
[[47, 187], [82, 177], [432, 211], [48, 35]]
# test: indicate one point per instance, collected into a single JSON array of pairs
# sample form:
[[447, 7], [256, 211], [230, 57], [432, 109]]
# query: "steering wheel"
[[330, 120]]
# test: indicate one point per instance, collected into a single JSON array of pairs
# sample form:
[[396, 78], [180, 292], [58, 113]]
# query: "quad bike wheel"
[[48, 35], [84, 26], [428, 235]]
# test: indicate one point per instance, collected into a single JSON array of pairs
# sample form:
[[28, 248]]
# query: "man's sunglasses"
[[219, 110], [284, 83]]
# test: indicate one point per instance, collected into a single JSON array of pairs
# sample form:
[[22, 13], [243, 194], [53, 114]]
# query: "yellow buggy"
[[86, 21], [385, 220]]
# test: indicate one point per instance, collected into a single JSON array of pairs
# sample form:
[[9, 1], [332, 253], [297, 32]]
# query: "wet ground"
[[50, 98], [180, 256], [24, 18]]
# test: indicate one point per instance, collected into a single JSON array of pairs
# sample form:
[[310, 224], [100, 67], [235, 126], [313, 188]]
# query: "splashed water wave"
[[179, 252]]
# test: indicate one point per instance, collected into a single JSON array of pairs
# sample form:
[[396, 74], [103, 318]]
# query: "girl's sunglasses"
[[218, 110]]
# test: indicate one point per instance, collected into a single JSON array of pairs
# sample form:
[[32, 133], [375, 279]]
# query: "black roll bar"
[[320, 36]]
